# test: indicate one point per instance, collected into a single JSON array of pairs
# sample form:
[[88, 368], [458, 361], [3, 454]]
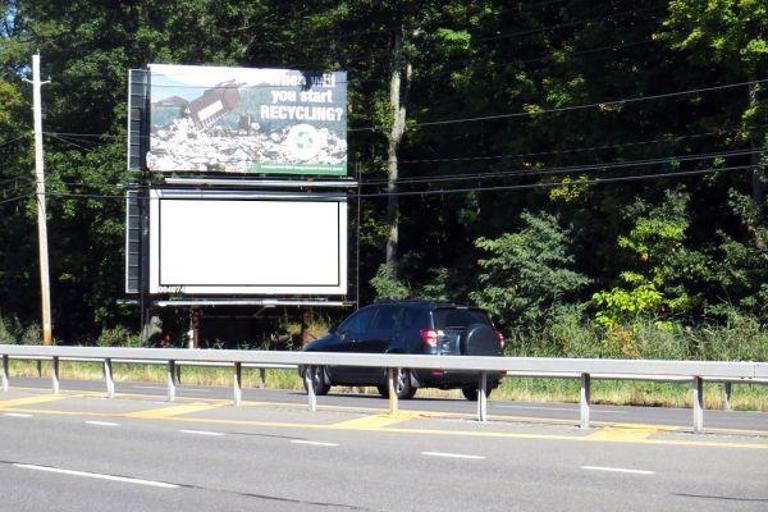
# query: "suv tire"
[[318, 380], [403, 387], [470, 393]]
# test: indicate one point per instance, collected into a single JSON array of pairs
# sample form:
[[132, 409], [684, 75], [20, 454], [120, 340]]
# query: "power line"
[[589, 51], [26, 134], [18, 198], [623, 101], [71, 143], [14, 178], [19, 184], [595, 181], [619, 14], [562, 170], [670, 138], [85, 135]]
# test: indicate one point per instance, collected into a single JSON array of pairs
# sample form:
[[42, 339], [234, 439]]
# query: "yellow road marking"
[[375, 421], [628, 431], [416, 431], [10, 404], [471, 433], [215, 403], [167, 412]]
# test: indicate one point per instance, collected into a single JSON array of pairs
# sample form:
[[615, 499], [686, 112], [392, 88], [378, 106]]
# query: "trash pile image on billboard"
[[239, 120]]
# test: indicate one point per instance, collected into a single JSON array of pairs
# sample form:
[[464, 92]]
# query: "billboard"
[[216, 242], [247, 120]]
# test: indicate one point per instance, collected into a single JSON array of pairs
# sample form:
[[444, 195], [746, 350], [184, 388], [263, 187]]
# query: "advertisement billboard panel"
[[216, 242], [247, 120]]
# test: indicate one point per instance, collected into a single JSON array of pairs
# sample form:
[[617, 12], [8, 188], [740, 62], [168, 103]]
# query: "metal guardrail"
[[695, 372]]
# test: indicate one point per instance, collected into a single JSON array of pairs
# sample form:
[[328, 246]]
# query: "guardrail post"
[[698, 404], [39, 368], [108, 378], [4, 372], [482, 398], [178, 374], [308, 380], [55, 374], [262, 378], [238, 384], [171, 381], [391, 391], [584, 401], [727, 396]]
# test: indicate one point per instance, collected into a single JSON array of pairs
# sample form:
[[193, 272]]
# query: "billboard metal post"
[[305, 319], [195, 341]]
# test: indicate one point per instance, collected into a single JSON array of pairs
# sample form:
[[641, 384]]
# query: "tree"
[[662, 266], [734, 34], [528, 274]]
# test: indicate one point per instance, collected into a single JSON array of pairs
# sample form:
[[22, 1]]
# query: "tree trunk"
[[758, 173], [395, 136]]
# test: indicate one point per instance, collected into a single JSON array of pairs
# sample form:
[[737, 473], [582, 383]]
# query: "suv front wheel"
[[403, 387]]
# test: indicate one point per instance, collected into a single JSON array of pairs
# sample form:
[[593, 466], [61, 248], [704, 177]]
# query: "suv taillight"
[[429, 336], [501, 340]]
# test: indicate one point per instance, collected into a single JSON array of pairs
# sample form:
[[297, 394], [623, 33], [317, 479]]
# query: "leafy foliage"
[[662, 265], [527, 275]]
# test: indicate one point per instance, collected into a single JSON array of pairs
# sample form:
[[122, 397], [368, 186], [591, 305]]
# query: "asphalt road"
[[79, 452], [499, 410]]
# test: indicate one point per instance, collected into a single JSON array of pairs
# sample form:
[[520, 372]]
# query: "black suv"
[[409, 327]]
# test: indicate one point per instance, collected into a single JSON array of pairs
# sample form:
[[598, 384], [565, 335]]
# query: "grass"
[[746, 397]]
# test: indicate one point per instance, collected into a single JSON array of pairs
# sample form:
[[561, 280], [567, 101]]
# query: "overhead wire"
[[71, 143], [604, 103], [575, 23], [563, 170], [595, 181], [670, 138], [431, 192], [17, 198], [11, 141]]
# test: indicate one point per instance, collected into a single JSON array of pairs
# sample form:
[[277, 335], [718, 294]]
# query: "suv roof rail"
[[424, 302]]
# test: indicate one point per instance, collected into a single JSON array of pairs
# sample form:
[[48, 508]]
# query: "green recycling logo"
[[304, 141]]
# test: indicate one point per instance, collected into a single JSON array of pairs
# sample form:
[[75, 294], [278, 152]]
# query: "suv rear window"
[[416, 318], [385, 318], [447, 318]]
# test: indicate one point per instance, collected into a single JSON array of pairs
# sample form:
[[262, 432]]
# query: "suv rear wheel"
[[470, 392], [403, 387], [319, 383]]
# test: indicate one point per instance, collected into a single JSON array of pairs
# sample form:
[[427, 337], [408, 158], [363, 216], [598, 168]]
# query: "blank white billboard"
[[247, 243]]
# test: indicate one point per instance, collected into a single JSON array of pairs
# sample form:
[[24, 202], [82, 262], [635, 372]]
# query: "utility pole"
[[42, 230]]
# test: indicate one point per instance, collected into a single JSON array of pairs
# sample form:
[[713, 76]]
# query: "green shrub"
[[118, 336]]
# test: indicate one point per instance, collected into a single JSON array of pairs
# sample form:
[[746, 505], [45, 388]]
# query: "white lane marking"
[[196, 391], [202, 432], [568, 409], [102, 423], [17, 415], [312, 443], [619, 470], [99, 476], [149, 387], [452, 455]]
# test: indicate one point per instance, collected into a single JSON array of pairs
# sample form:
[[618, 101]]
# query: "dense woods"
[[590, 172]]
